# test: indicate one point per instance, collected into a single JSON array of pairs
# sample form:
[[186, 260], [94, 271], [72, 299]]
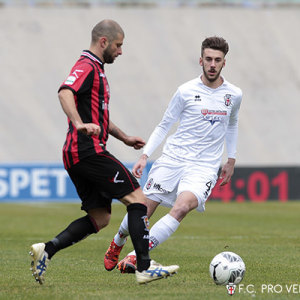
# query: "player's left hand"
[[227, 171], [135, 142]]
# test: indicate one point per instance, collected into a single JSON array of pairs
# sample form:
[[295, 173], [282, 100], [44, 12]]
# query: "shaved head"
[[108, 28]]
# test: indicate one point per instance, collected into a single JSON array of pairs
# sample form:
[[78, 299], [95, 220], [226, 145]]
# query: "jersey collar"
[[92, 56], [224, 81]]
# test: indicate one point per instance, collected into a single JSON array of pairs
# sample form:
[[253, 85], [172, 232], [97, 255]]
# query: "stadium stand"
[[39, 45], [246, 3]]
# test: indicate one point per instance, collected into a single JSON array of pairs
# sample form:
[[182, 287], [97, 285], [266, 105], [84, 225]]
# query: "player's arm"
[[67, 102], [231, 143], [133, 141], [171, 116]]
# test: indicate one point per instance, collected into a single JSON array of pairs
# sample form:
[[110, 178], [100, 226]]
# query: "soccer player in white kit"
[[182, 178]]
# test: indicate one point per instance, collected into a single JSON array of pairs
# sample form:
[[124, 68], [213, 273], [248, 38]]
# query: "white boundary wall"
[[161, 51]]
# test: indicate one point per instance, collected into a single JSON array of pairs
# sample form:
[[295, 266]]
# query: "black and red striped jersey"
[[89, 85]]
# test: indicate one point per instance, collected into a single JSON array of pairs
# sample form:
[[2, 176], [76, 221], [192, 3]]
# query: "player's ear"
[[103, 41], [201, 61], [224, 63]]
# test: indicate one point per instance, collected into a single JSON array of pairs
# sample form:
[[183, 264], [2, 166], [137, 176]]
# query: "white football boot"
[[39, 261], [154, 272]]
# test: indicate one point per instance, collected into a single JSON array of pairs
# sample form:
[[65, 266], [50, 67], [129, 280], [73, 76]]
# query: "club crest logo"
[[230, 288], [227, 98], [149, 183]]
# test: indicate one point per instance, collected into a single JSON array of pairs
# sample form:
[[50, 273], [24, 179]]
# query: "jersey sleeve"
[[232, 129], [79, 79], [170, 117]]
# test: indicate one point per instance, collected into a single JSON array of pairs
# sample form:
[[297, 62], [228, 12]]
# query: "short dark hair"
[[107, 28], [216, 43]]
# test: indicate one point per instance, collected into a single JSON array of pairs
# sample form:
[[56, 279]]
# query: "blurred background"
[[41, 40]]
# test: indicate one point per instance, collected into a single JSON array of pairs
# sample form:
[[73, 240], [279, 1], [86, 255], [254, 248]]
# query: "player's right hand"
[[140, 165], [89, 129]]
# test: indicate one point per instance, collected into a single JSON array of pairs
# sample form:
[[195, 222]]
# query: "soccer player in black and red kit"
[[97, 175]]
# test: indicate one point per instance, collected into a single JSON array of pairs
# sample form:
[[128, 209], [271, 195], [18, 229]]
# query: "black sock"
[[139, 232], [75, 232]]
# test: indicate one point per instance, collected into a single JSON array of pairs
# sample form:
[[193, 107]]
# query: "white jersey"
[[206, 118]]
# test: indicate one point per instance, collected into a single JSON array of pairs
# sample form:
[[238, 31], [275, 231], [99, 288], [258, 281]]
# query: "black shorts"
[[99, 179]]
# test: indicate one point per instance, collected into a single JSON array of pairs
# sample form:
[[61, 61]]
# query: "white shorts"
[[168, 178]]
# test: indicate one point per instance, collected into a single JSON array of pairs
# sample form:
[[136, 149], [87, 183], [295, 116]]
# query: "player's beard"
[[107, 55], [214, 78]]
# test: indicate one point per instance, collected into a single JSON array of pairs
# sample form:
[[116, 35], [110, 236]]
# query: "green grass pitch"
[[265, 235]]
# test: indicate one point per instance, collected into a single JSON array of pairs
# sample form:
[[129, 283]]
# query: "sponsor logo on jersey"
[[213, 116], [213, 112], [227, 98], [71, 79], [107, 89], [105, 105], [197, 98]]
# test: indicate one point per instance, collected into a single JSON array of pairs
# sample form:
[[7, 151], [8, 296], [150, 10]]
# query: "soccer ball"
[[227, 267]]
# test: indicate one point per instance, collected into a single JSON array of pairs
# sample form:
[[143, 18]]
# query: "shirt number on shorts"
[[208, 184]]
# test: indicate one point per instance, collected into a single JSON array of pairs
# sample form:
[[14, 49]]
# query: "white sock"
[[162, 230], [121, 237], [131, 253]]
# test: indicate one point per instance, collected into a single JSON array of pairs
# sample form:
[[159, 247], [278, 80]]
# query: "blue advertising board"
[[35, 181], [50, 182], [38, 182]]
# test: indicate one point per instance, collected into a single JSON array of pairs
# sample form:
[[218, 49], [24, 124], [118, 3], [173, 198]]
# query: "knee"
[[103, 222], [179, 212], [99, 219], [186, 202], [136, 196]]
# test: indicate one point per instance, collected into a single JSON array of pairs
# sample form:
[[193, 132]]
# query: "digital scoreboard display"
[[259, 184]]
